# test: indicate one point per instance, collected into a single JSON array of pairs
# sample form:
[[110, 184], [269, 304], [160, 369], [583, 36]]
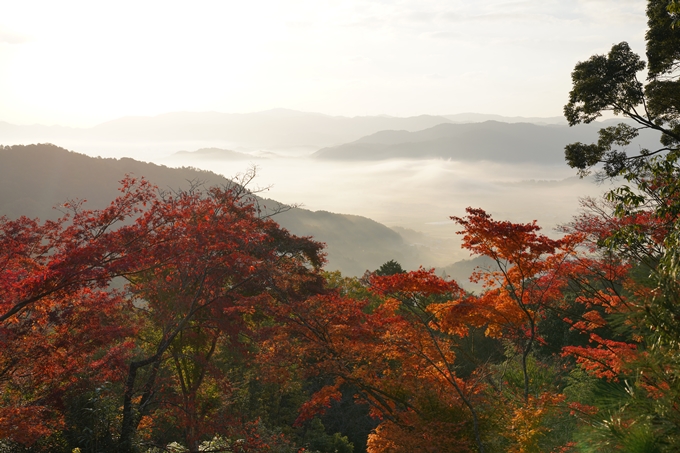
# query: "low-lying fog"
[[413, 196], [417, 195]]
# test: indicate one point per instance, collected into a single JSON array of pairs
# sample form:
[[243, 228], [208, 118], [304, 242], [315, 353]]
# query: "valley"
[[411, 180]]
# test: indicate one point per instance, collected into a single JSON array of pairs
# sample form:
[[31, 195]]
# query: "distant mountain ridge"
[[271, 129], [470, 117], [490, 141]]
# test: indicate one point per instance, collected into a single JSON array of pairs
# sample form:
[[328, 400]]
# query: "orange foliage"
[[527, 278], [390, 354], [415, 434], [527, 426]]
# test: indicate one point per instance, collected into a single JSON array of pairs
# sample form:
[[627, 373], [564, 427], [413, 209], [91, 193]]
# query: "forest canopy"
[[189, 320]]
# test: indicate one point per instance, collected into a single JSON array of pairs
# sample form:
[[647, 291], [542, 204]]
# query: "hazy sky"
[[79, 63]]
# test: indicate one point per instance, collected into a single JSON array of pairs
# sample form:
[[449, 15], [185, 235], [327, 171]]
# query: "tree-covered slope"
[[36, 178], [490, 141]]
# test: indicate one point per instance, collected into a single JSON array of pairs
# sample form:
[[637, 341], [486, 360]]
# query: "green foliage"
[[316, 439], [350, 419], [663, 39], [352, 287], [605, 82], [554, 426], [637, 412], [391, 267], [609, 83], [619, 425], [91, 420], [673, 9]]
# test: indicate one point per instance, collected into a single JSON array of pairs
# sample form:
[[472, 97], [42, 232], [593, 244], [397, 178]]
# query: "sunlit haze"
[[149, 79], [79, 63]]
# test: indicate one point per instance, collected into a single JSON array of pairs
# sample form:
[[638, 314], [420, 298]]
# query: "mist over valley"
[[409, 174], [284, 226]]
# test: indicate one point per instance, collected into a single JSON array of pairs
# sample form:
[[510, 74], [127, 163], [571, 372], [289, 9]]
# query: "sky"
[[80, 63]]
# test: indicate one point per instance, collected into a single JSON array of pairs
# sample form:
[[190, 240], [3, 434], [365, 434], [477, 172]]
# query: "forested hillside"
[[188, 320], [491, 141], [36, 178]]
